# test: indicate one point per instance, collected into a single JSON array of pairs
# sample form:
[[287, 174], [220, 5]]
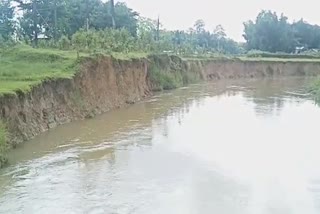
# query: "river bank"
[[93, 85], [213, 139]]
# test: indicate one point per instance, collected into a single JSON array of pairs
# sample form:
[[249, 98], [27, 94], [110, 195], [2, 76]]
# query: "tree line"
[[102, 25], [96, 24], [273, 33]]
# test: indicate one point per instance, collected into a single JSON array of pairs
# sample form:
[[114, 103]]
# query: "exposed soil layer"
[[105, 83]]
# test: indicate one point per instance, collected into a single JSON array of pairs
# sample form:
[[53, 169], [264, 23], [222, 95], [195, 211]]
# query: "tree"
[[31, 22], [219, 34], [99, 24], [55, 18], [269, 33], [306, 35], [85, 14], [199, 26], [127, 18], [6, 19], [48, 17]]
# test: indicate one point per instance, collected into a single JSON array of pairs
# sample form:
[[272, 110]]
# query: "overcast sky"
[[181, 14]]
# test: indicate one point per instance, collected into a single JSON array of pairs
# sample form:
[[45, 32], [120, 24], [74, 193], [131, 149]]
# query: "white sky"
[[181, 14]]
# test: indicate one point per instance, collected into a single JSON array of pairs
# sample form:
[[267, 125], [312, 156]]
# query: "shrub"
[[162, 80], [64, 43], [314, 89]]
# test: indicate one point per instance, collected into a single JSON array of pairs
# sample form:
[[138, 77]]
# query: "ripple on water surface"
[[225, 147]]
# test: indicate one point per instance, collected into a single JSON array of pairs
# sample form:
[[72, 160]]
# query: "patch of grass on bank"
[[162, 80], [282, 55], [314, 88], [21, 67], [274, 59], [3, 144], [170, 72], [265, 57], [252, 59]]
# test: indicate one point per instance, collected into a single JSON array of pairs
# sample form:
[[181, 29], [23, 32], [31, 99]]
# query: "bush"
[[110, 40], [314, 89], [47, 43], [6, 43], [64, 43], [162, 80]]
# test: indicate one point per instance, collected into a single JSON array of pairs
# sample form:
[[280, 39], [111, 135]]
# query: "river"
[[226, 147]]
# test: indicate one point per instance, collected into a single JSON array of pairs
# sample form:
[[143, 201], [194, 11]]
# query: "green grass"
[[169, 72], [273, 59], [314, 88], [22, 67], [162, 80], [251, 59]]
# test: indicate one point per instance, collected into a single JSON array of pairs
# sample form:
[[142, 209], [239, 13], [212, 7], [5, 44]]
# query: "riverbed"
[[225, 147]]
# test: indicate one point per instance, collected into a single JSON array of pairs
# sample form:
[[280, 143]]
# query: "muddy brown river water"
[[227, 147]]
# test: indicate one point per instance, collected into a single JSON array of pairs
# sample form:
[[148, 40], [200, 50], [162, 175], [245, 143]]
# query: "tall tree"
[[48, 17], [199, 26], [307, 35], [269, 33], [6, 19]]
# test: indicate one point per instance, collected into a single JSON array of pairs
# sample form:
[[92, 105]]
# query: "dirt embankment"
[[101, 85], [106, 83], [234, 69]]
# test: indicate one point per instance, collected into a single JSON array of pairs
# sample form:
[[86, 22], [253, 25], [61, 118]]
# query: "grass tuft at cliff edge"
[[21, 67]]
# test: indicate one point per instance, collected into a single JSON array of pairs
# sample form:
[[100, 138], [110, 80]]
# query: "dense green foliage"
[[103, 25], [6, 20], [169, 72], [96, 24], [273, 33], [55, 18]]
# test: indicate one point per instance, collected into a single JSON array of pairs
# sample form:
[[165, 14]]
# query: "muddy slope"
[[256, 69], [106, 83], [101, 85]]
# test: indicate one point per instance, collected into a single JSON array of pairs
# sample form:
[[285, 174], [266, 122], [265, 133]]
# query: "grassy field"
[[251, 59], [272, 59], [22, 67]]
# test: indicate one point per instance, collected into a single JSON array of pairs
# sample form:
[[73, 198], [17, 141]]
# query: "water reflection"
[[226, 147]]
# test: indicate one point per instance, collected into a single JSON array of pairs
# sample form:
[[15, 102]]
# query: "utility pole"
[[112, 11], [87, 15], [35, 23], [55, 20]]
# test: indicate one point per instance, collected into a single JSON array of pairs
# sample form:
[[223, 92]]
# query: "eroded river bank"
[[246, 146]]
